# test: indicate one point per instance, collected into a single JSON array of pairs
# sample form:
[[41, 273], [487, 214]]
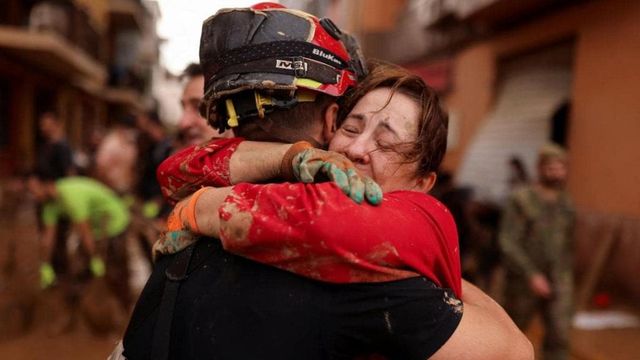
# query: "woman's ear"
[[426, 183], [330, 122]]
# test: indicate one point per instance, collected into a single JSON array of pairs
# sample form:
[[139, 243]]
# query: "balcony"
[[126, 14], [52, 53], [57, 37]]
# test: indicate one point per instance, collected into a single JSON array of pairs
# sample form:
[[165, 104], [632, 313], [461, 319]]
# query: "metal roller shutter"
[[530, 89]]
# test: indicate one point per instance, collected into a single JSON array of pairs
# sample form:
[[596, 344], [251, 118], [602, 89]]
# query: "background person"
[[97, 214], [535, 238], [117, 155], [54, 158], [193, 129], [150, 210]]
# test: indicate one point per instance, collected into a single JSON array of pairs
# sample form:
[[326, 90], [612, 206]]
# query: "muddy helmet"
[[265, 57]]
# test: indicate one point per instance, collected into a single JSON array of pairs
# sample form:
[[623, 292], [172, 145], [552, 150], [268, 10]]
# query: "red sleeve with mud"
[[196, 166], [314, 230]]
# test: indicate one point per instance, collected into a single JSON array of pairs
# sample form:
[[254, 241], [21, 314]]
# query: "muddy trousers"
[[556, 313]]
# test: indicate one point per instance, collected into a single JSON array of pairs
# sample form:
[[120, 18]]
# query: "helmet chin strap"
[[255, 104]]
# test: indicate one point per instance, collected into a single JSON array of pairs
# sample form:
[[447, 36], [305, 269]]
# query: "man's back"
[[232, 308], [85, 199]]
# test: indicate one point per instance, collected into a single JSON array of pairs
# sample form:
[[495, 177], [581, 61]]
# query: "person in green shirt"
[[97, 214]]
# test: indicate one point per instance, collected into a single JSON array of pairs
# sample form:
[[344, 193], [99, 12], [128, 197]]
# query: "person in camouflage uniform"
[[535, 238]]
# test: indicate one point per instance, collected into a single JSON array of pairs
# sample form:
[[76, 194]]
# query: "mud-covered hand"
[[308, 164]]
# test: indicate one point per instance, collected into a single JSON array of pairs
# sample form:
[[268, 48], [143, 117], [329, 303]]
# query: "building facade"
[[83, 59], [516, 74]]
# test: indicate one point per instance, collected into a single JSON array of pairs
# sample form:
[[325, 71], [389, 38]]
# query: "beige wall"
[[605, 138], [473, 79], [605, 130]]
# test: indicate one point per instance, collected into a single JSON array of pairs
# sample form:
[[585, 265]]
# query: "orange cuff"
[[190, 210], [286, 170]]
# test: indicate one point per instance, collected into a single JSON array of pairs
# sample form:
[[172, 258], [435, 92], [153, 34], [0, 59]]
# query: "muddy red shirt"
[[193, 167], [316, 231]]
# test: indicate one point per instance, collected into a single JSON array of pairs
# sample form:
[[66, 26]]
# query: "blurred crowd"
[[106, 196]]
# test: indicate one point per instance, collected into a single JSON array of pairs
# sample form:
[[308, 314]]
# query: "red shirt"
[[316, 231]]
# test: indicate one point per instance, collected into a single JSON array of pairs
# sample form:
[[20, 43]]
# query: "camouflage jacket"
[[535, 235]]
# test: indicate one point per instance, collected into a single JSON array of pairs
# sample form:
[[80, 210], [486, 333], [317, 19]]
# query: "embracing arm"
[[316, 231], [485, 332], [225, 162], [256, 162], [218, 163]]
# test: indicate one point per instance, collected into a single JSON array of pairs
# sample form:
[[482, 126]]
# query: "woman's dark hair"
[[430, 144]]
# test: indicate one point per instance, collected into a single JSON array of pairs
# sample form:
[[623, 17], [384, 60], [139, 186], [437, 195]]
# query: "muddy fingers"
[[372, 191]]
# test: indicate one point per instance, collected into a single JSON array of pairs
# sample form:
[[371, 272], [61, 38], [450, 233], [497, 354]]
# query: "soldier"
[[535, 237]]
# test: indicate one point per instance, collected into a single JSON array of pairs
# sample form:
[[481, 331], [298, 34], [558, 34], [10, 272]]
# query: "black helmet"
[[274, 51]]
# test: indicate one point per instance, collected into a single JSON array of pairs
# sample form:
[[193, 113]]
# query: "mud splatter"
[[387, 322], [283, 214], [381, 252], [455, 304], [236, 225], [171, 242]]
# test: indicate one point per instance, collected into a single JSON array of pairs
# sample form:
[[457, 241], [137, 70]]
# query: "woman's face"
[[373, 136]]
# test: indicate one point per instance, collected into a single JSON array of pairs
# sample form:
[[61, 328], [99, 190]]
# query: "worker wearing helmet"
[[235, 308]]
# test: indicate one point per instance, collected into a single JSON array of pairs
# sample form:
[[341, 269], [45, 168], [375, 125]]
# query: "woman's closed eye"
[[350, 130]]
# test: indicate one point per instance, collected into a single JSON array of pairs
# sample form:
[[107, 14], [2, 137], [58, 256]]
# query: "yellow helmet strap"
[[255, 104]]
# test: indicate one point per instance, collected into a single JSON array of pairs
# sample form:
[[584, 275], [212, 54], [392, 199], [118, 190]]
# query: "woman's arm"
[[225, 162], [218, 163], [315, 231]]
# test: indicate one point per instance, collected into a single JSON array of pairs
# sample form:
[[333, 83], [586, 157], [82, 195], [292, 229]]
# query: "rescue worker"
[[228, 302], [192, 127], [97, 214], [535, 238]]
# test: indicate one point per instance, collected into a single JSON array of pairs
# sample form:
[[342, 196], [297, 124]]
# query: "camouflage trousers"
[[556, 313]]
